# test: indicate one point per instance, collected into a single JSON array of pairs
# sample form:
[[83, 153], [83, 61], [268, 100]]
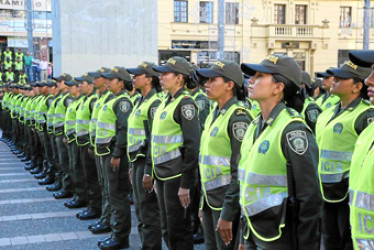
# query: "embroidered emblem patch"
[[214, 132], [238, 130], [188, 111], [298, 141], [338, 128], [264, 147]]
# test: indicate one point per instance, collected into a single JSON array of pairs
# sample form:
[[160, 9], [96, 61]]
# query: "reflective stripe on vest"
[[336, 138], [364, 244], [166, 139], [220, 181], [214, 160], [364, 201], [263, 176]]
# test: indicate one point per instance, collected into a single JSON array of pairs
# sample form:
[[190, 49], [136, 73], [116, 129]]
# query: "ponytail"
[[291, 94]]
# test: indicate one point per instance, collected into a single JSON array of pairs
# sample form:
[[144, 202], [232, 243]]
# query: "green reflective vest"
[[5, 104], [19, 55], [41, 113], [20, 77], [361, 185], [166, 139], [136, 134], [34, 103], [329, 102], [9, 76], [7, 65], [22, 109], [95, 114], [59, 117], [83, 121], [135, 98], [336, 140], [51, 114], [71, 118], [106, 126], [263, 176], [7, 54], [214, 160], [28, 110], [15, 102], [18, 65]]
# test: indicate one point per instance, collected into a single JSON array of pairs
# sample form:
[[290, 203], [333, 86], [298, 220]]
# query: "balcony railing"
[[292, 30]]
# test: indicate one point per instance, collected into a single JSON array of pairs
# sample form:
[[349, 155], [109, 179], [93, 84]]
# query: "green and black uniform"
[[279, 159], [219, 170], [175, 146], [111, 141], [138, 149], [336, 132]]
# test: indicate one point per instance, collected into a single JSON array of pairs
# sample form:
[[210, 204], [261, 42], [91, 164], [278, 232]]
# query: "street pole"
[[366, 24], [221, 28], [29, 27]]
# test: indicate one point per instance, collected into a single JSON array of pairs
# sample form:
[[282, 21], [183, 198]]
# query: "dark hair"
[[127, 85], [156, 83], [238, 91], [363, 92], [291, 93]]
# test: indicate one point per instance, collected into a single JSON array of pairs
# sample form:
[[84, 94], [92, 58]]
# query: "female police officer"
[[362, 169], [175, 146], [219, 150], [279, 193], [337, 130]]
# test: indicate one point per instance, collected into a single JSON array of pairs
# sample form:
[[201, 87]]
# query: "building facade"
[[13, 26], [317, 33]]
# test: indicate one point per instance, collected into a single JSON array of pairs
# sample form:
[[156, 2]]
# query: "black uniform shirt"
[[203, 105]]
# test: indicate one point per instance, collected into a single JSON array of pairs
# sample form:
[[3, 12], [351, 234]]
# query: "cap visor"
[[340, 73], [207, 73], [363, 58], [57, 78], [135, 71], [94, 74], [79, 79], [251, 69], [108, 75], [162, 69], [70, 83], [323, 74]]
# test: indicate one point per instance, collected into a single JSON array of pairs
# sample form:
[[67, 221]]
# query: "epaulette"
[[293, 113]]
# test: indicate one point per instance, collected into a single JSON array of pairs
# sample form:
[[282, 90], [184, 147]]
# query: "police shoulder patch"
[[240, 111], [238, 130], [298, 141], [188, 111], [68, 101], [200, 104], [312, 115], [124, 106]]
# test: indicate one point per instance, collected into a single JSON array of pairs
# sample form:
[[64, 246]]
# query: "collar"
[[177, 94], [196, 91], [350, 107], [227, 105], [93, 92], [103, 93], [273, 113], [149, 95], [119, 93]]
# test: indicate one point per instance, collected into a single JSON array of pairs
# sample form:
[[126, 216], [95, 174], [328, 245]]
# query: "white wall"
[[89, 34]]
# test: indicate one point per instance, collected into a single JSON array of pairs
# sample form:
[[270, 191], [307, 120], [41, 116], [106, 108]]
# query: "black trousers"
[[175, 220], [91, 179], [336, 232], [77, 173], [119, 188], [146, 209], [63, 159]]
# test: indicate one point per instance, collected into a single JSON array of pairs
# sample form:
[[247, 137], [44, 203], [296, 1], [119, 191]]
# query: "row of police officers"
[[268, 159]]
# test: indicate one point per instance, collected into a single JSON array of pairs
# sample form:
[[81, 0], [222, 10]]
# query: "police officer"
[[225, 126], [326, 100], [337, 130], [87, 160], [145, 79], [279, 194], [175, 144], [58, 130], [310, 110], [103, 224], [111, 141], [75, 167], [361, 190]]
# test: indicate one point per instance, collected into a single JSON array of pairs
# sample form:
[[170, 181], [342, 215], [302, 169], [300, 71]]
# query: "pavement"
[[30, 218]]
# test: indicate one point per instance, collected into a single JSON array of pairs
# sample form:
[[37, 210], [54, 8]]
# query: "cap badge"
[[144, 65], [220, 64], [351, 64], [272, 59], [115, 70], [101, 70], [172, 61]]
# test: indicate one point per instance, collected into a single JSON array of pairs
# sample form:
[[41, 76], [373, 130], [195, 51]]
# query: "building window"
[[180, 11], [345, 17], [280, 13], [232, 13], [300, 12], [206, 12]]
